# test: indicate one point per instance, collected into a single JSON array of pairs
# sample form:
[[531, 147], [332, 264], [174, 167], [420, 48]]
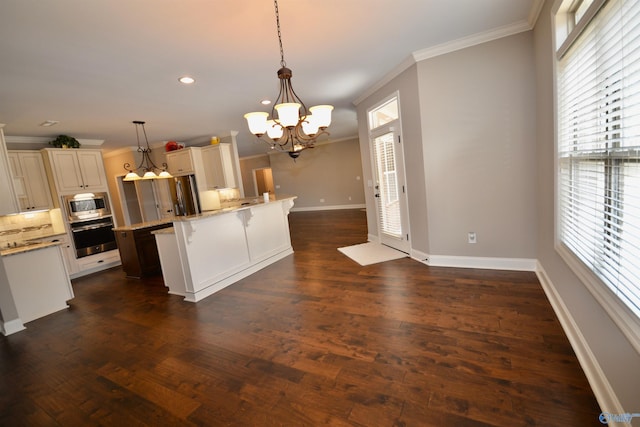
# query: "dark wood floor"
[[314, 339]]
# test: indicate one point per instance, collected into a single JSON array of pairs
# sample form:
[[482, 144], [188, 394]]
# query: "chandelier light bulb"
[[274, 130], [310, 125], [131, 176], [322, 115], [257, 122], [288, 113]]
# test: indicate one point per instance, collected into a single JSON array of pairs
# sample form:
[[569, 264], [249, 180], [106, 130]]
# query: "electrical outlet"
[[321, 200], [472, 237]]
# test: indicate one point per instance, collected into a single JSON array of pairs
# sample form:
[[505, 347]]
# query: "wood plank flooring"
[[314, 339]]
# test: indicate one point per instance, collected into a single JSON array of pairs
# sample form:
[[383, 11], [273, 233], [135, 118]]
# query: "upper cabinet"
[[30, 180], [218, 164], [76, 170], [181, 162], [9, 203]]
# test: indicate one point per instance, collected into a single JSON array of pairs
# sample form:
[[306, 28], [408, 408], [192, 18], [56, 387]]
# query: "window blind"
[[599, 148], [389, 212]]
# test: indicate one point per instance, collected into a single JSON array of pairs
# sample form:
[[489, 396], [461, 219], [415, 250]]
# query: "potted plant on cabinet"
[[65, 141]]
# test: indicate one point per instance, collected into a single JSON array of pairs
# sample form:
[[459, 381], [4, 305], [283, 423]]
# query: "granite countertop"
[[168, 230], [28, 247], [146, 224], [226, 207], [238, 205]]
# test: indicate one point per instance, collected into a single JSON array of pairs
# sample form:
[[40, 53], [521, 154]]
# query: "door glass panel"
[[387, 185], [384, 114]]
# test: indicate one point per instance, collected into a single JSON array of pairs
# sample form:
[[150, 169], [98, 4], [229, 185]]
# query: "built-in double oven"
[[91, 223]]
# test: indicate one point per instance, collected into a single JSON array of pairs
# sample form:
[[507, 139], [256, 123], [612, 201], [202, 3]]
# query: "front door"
[[388, 169]]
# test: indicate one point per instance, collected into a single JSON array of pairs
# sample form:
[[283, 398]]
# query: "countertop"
[[26, 248], [147, 224], [168, 230], [227, 207]]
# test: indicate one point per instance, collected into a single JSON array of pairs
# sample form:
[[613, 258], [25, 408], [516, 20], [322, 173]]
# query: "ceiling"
[[95, 66]]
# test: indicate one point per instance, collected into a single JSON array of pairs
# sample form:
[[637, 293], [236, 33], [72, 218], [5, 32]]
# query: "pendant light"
[[295, 127], [146, 166]]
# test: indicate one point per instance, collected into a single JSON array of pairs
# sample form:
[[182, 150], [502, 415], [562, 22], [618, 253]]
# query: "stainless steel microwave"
[[87, 206]]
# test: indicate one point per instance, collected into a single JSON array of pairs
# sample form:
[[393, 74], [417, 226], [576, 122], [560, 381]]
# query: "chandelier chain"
[[282, 61]]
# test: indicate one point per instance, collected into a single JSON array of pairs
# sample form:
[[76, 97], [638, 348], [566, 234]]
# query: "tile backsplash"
[[21, 227]]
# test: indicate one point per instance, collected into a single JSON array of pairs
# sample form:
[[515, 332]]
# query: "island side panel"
[[211, 249], [42, 290], [267, 229]]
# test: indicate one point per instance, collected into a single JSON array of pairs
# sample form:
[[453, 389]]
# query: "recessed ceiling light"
[[265, 102], [186, 80], [48, 123]]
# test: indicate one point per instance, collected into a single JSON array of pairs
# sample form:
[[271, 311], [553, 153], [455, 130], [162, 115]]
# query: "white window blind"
[[389, 210], [599, 148]]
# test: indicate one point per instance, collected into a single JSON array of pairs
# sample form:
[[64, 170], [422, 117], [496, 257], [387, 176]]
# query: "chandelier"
[[296, 127], [146, 165]]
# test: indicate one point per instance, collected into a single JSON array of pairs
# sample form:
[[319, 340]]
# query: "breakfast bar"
[[202, 254]]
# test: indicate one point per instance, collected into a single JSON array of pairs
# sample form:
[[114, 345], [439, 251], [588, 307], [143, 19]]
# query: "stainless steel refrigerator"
[[184, 193]]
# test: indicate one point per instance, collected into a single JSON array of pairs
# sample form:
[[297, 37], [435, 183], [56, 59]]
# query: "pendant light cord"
[[282, 61]]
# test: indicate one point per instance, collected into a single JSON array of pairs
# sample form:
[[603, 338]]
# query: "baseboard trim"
[[327, 208], [601, 387], [518, 264], [12, 326]]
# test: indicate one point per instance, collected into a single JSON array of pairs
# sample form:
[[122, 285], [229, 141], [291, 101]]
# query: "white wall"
[[601, 345]]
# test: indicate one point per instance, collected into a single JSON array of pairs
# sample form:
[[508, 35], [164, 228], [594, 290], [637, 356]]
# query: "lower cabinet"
[[138, 251], [97, 262]]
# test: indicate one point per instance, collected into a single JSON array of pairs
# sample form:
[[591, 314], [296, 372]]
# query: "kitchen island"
[[137, 248], [33, 283], [202, 254]]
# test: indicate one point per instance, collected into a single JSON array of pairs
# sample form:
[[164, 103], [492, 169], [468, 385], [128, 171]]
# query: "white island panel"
[[38, 281], [212, 248], [216, 249], [268, 230]]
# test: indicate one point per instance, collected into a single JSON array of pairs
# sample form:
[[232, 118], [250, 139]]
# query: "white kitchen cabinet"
[[67, 249], [38, 282], [218, 165], [181, 162], [97, 262], [76, 170], [9, 203], [30, 180]]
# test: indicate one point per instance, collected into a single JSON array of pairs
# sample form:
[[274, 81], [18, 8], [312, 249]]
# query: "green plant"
[[65, 141]]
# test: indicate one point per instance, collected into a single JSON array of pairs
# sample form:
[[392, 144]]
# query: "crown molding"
[[458, 44], [45, 140], [534, 13], [473, 40], [395, 72]]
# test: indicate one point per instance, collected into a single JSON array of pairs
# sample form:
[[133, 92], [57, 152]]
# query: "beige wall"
[[468, 126], [612, 352], [328, 171], [247, 165], [478, 119], [113, 165]]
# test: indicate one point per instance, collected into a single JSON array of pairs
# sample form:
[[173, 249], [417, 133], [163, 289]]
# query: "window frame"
[[565, 33]]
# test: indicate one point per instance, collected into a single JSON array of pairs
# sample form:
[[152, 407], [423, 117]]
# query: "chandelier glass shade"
[[292, 127], [147, 168]]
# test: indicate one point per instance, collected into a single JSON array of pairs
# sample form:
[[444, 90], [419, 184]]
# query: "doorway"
[[263, 181], [389, 174]]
